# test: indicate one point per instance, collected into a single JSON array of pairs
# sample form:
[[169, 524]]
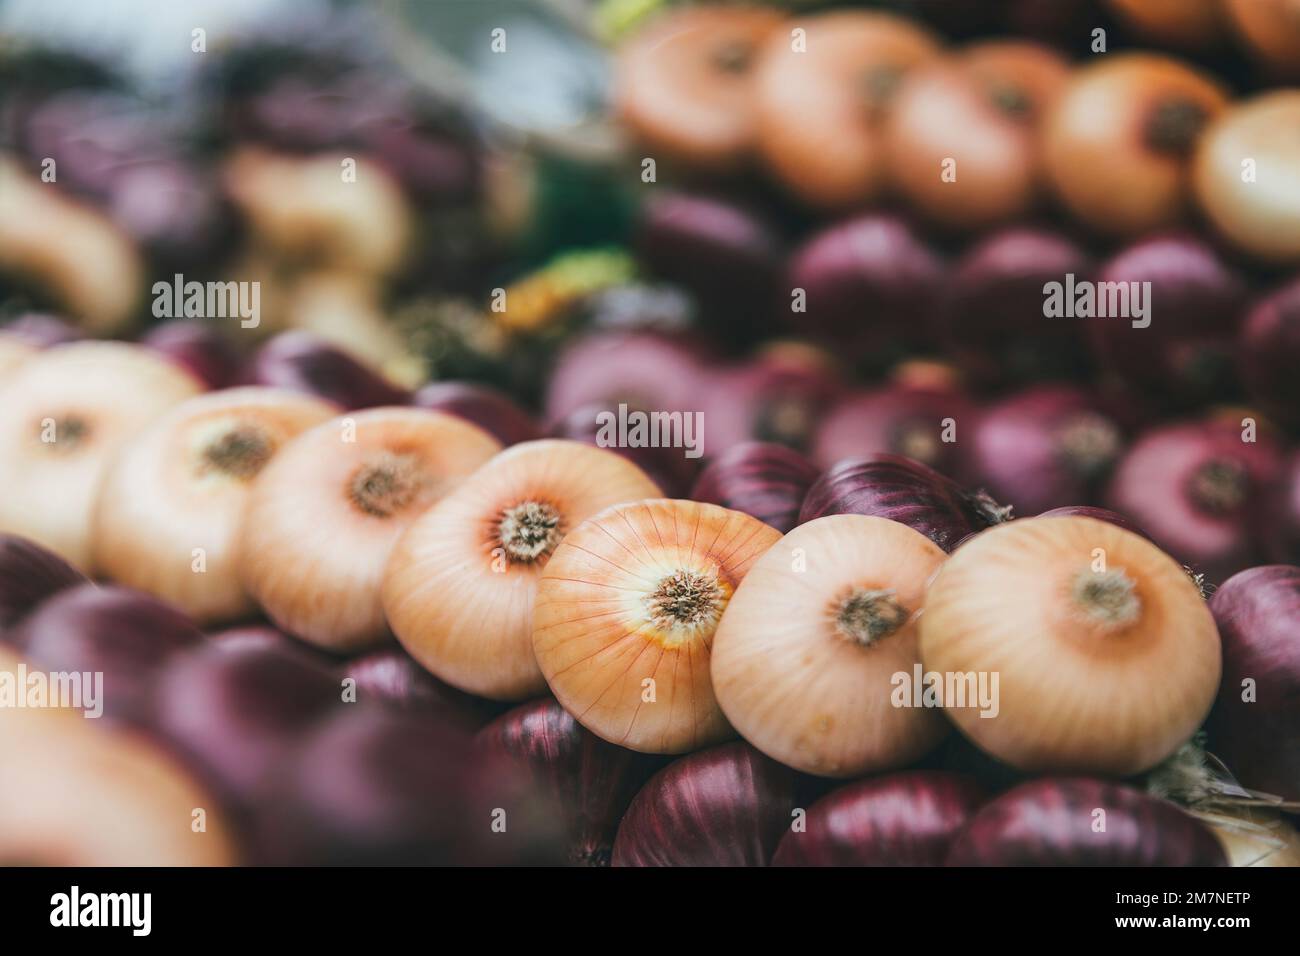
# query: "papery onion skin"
[[1045, 447], [63, 415], [395, 679], [1196, 487], [903, 490], [990, 319], [197, 346], [490, 410], [1194, 310], [1269, 353], [302, 362], [376, 787], [235, 711], [869, 282], [1100, 514], [1053, 822], [806, 659], [898, 420], [323, 516], [181, 487], [1080, 620], [1255, 727], [725, 806], [126, 635], [636, 672], [455, 594], [29, 574], [901, 819], [1256, 837], [591, 781], [762, 479]]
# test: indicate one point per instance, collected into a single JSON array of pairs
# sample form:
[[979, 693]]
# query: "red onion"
[[305, 363], [759, 478], [1269, 353], [779, 396], [377, 787], [724, 254], [868, 281], [199, 348], [591, 781], [1046, 447], [29, 574], [393, 677], [235, 710], [1054, 822], [491, 410], [901, 819], [669, 468], [1258, 737], [1195, 305], [991, 319], [725, 806], [646, 371], [1281, 531], [1099, 514], [891, 486], [1196, 488], [126, 635], [897, 419], [40, 330]]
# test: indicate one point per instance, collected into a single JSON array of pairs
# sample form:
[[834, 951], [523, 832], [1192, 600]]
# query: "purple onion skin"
[[127, 635], [1045, 447], [869, 282], [1281, 528], [645, 370], [902, 819], [234, 710], [1049, 822], [393, 678], [1097, 514], [725, 806], [669, 468], [1195, 305], [41, 331], [1258, 613], [906, 491], [761, 479], [482, 405], [1269, 353], [592, 781], [29, 574], [991, 321], [1199, 491], [302, 362], [199, 348], [729, 258], [896, 420], [375, 787]]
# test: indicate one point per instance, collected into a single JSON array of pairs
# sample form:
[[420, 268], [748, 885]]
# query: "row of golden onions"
[[661, 625]]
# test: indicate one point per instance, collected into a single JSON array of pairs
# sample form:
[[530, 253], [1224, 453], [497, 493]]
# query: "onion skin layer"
[[1050, 821], [725, 806], [1258, 613], [591, 781], [762, 479], [29, 574], [902, 819], [903, 490], [603, 632], [1107, 688]]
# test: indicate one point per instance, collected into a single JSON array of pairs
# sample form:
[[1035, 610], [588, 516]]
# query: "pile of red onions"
[[759, 478]]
